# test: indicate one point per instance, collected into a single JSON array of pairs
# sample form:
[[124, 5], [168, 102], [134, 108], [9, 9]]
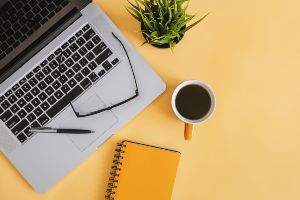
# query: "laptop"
[[93, 67]]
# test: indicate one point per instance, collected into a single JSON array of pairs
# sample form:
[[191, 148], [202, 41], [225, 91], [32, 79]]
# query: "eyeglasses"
[[80, 115]]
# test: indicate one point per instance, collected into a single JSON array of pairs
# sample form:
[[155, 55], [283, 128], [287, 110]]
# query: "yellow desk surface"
[[248, 51]]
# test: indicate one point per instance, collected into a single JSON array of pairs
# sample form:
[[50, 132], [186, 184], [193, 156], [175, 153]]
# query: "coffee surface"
[[193, 102]]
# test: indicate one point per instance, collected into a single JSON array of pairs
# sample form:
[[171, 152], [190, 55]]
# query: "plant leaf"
[[195, 23]]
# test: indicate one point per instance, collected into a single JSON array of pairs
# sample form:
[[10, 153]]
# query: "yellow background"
[[248, 51]]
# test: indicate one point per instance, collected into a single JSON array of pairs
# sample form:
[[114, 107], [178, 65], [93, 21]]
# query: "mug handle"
[[188, 131]]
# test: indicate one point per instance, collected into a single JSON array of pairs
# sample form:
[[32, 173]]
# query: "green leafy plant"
[[163, 22]]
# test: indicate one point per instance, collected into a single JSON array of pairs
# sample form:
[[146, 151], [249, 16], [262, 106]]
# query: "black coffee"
[[193, 102]]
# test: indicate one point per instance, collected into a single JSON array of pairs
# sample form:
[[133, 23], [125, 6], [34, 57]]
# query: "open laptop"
[[94, 68]]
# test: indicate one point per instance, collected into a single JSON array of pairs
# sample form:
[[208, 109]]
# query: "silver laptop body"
[[44, 159]]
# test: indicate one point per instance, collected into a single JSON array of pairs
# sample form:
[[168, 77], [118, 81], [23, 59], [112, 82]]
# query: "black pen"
[[62, 131]]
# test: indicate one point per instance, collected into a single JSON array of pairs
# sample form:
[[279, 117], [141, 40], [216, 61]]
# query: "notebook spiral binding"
[[115, 171]]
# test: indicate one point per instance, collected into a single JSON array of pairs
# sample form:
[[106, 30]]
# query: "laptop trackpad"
[[99, 123]]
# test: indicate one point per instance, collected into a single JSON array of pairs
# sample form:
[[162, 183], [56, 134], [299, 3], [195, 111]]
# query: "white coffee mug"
[[189, 124]]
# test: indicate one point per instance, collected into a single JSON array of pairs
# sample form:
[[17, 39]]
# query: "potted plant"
[[163, 22]]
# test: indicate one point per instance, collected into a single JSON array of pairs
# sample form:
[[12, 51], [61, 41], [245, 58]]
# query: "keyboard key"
[[93, 76], [21, 137], [49, 79], [82, 51], [74, 47], [28, 97], [51, 100], [2, 99], [72, 83], [51, 57], [1, 110], [13, 121], [38, 68], [27, 132], [80, 41], [14, 108], [39, 76], [38, 112], [83, 62], [31, 117], [53, 64], [42, 85], [26, 87], [21, 102], [12, 99], [67, 53], [33, 82], [86, 83], [99, 48], [5, 104], [76, 57], [90, 56], [58, 51], [78, 77], [61, 104], [22, 81], [29, 108], [65, 89], [44, 63], [45, 106], [106, 65], [86, 27], [5, 116], [96, 39], [89, 34], [49, 90], [22, 113], [79, 33], [69, 62], [65, 45], [20, 126], [55, 74], [115, 61], [101, 73], [72, 39], [63, 79], [35, 91], [103, 56], [58, 94], [9, 92], [35, 102], [35, 125], [62, 68], [56, 85], [46, 70], [19, 93], [15, 87], [29, 75], [43, 96], [76, 67], [86, 71], [70, 73], [43, 119], [89, 45], [92, 65]]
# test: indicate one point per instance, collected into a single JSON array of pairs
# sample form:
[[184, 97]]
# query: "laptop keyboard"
[[43, 93], [21, 18]]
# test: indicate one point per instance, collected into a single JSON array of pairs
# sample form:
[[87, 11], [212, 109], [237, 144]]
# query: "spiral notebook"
[[142, 171]]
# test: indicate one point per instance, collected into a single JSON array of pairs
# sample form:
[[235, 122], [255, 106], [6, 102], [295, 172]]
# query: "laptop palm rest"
[[100, 123]]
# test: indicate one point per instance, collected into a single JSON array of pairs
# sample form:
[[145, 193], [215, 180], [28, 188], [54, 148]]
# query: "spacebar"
[[61, 104]]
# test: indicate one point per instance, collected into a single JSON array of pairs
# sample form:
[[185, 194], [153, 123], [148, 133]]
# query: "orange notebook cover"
[[142, 172]]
